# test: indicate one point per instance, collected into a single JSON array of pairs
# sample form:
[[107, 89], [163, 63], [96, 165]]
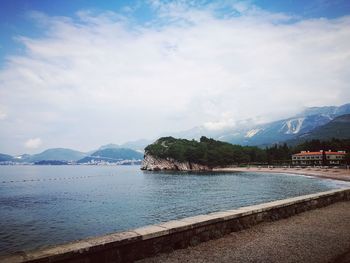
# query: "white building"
[[318, 158]]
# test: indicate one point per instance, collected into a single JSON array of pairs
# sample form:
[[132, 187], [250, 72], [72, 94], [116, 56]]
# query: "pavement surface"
[[321, 235]]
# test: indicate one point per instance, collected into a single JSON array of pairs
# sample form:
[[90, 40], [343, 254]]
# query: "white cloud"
[[102, 78], [3, 115], [33, 143], [217, 125]]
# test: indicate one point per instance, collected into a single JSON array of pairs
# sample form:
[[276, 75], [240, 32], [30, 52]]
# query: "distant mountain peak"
[[109, 146], [272, 132], [112, 155], [338, 128], [252, 132], [329, 111], [292, 126]]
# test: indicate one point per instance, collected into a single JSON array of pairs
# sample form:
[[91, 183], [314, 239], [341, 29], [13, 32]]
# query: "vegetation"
[[316, 145], [338, 127], [207, 151], [216, 153], [334, 145]]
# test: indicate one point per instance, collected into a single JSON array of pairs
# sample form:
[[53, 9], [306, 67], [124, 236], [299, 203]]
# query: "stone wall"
[[165, 237]]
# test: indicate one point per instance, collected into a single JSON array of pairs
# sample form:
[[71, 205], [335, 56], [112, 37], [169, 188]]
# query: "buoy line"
[[52, 179]]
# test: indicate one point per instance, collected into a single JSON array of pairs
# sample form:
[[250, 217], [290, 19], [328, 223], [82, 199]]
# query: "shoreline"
[[306, 237], [152, 240], [335, 174]]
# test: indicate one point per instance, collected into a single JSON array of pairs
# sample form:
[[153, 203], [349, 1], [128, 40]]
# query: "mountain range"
[[321, 123], [300, 125], [61, 154], [112, 155], [50, 156], [137, 145], [338, 128]]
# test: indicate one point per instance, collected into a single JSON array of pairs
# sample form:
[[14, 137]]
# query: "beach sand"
[[320, 235], [330, 173]]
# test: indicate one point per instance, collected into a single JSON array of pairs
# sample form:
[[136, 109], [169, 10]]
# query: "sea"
[[42, 206]]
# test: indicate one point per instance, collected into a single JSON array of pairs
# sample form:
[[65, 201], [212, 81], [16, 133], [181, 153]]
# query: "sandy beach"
[[311, 236], [329, 173]]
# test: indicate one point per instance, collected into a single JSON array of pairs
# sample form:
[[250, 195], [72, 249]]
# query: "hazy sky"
[[80, 74]]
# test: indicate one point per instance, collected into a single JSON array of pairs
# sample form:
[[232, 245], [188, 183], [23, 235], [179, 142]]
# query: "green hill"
[[57, 154], [207, 151], [338, 128]]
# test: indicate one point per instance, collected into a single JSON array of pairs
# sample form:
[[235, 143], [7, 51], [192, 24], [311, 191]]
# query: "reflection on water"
[[45, 205]]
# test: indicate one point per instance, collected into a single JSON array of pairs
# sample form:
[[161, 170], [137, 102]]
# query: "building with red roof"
[[318, 158]]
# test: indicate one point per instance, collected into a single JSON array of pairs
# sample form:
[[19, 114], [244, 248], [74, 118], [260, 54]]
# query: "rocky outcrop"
[[152, 163]]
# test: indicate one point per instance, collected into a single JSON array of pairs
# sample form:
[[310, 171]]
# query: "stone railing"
[[165, 237]]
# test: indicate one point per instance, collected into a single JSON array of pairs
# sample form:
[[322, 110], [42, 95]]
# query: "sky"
[[83, 73]]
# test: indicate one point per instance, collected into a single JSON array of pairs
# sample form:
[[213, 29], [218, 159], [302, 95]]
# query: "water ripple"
[[48, 205]]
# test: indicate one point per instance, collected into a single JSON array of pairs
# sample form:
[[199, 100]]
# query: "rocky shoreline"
[[152, 163]]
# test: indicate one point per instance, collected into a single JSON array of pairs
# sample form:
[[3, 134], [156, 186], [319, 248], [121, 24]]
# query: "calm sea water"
[[45, 205]]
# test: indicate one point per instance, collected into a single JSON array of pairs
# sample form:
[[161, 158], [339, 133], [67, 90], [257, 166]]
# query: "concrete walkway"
[[321, 235]]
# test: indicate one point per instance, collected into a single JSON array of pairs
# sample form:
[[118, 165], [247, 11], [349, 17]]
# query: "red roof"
[[319, 153]]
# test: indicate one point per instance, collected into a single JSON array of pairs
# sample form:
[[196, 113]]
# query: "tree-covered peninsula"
[[169, 153], [199, 155]]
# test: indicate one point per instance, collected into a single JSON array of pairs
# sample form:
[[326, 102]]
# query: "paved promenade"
[[321, 235]]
